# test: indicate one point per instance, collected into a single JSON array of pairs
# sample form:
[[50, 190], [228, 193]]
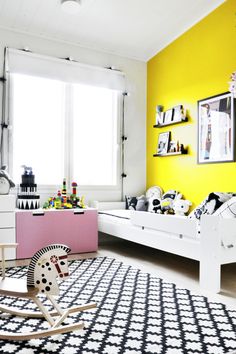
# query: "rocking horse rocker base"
[[56, 317]]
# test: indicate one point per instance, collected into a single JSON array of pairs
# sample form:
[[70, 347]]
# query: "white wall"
[[135, 108]]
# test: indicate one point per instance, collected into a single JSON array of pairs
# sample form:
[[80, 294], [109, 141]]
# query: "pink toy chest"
[[77, 229]]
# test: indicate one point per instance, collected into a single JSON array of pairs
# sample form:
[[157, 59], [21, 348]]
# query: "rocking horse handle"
[[2, 247]]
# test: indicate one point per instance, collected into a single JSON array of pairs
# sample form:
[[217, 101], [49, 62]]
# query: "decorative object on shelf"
[[171, 116], [5, 181], [178, 115], [163, 143], [182, 151], [172, 147], [168, 116], [28, 197], [216, 117], [232, 84], [64, 201], [159, 115]]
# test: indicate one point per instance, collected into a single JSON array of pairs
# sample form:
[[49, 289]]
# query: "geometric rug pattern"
[[137, 313]]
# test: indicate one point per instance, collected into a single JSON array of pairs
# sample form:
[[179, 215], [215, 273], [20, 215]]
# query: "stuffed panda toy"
[[153, 196], [167, 201]]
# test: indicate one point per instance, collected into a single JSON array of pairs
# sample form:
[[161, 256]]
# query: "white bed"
[[213, 244]]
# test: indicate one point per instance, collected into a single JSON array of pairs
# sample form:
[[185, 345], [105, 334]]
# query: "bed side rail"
[[166, 223]]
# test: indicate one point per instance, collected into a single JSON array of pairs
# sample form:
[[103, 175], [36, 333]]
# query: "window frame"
[[68, 151]]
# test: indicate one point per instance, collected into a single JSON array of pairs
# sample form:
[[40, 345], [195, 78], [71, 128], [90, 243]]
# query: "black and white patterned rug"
[[137, 313]]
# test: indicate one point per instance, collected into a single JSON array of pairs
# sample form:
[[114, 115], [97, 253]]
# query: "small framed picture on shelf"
[[178, 113], [163, 143], [168, 116]]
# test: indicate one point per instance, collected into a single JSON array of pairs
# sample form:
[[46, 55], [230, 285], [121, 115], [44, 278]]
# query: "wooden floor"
[[179, 270]]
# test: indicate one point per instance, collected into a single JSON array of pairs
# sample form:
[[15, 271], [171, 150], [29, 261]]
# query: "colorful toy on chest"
[[65, 201]]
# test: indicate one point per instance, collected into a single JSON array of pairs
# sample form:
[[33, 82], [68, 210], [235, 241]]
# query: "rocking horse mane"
[[37, 256]]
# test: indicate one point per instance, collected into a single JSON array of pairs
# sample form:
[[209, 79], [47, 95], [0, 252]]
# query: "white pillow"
[[227, 210]]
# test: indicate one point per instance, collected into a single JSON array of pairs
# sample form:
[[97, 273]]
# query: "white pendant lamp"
[[70, 6]]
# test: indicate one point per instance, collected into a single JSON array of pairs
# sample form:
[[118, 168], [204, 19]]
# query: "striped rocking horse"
[[45, 267]]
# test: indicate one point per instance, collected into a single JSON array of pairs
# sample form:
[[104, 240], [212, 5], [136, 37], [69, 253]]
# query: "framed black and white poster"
[[216, 129], [163, 143]]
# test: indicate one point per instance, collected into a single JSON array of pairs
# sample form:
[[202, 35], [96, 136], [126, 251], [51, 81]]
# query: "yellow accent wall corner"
[[196, 65]]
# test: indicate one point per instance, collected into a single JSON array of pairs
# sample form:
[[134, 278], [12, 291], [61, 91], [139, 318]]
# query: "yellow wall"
[[196, 65]]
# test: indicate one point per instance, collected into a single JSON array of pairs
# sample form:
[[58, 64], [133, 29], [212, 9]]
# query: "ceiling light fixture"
[[70, 6]]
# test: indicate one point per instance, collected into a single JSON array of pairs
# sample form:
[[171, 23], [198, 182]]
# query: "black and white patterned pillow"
[[227, 210], [210, 204], [136, 203]]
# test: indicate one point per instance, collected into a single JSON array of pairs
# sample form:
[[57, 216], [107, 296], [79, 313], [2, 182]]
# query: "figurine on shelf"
[[172, 146], [159, 115], [177, 146]]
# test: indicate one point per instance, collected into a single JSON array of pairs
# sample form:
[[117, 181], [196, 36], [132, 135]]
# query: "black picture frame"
[[168, 117], [178, 113], [163, 143], [216, 129]]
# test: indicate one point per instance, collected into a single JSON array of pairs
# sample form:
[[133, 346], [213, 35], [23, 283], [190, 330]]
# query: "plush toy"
[[153, 196], [5, 181], [167, 201], [181, 206], [136, 203]]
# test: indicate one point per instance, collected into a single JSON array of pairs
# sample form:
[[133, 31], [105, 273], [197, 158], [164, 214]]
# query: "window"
[[65, 130], [95, 144], [38, 128]]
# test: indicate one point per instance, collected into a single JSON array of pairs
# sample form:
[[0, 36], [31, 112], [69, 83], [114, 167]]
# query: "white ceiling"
[[131, 28]]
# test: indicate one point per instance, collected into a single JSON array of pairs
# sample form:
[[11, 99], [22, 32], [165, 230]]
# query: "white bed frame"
[[178, 236]]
